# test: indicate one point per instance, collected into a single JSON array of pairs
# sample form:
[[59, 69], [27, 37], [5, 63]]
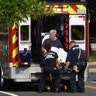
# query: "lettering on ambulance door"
[[77, 32]]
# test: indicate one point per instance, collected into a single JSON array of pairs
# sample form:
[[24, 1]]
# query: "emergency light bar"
[[69, 9], [58, 9], [80, 11]]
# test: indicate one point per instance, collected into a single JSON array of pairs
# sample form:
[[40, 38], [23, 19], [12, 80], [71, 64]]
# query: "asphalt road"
[[24, 89]]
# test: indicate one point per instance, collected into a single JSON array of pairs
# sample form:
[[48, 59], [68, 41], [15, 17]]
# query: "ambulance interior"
[[41, 28], [38, 29]]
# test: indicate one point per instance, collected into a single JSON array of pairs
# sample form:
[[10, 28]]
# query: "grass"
[[92, 57]]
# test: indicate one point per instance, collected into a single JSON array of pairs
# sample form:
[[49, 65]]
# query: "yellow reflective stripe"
[[14, 26], [71, 10], [50, 75], [14, 39], [16, 64], [46, 9], [82, 7], [15, 52], [54, 9]]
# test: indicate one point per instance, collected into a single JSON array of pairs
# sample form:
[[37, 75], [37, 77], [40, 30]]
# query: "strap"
[[79, 54]]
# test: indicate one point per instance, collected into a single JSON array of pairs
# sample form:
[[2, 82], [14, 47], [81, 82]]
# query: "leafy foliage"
[[91, 6], [13, 11], [38, 10], [62, 0]]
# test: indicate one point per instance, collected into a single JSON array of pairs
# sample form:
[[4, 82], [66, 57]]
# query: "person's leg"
[[81, 87], [42, 80], [73, 83], [81, 81], [56, 75]]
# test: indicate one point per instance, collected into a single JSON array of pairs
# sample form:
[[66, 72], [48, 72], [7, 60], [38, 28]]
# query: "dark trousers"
[[79, 84], [45, 74]]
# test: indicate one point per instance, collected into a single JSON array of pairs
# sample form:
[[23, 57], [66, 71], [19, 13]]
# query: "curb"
[[92, 70], [92, 63], [92, 67]]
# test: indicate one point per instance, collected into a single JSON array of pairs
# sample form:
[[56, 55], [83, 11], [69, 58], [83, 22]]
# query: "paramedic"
[[71, 59], [51, 66]]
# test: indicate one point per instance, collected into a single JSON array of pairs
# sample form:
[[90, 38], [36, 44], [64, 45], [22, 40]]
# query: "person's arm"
[[68, 59], [67, 64], [58, 64], [43, 50]]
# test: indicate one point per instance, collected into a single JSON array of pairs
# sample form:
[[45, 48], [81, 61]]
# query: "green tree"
[[92, 11], [91, 6], [13, 11]]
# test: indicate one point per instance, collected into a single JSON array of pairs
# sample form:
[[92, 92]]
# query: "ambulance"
[[20, 48]]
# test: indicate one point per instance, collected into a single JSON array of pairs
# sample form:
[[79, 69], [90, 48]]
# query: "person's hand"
[[65, 69], [45, 51], [75, 68]]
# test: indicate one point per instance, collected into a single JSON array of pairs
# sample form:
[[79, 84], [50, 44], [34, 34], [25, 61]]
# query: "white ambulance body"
[[20, 48], [78, 20]]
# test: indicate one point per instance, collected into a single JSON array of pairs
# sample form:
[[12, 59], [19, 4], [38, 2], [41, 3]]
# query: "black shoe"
[[57, 90], [81, 91]]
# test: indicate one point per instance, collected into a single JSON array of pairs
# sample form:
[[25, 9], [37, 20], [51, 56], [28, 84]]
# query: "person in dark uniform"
[[72, 58], [51, 66]]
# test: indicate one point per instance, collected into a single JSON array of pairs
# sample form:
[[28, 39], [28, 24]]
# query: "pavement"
[[91, 80], [92, 67]]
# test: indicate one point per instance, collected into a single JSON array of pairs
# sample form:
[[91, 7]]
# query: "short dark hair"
[[47, 47], [72, 42]]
